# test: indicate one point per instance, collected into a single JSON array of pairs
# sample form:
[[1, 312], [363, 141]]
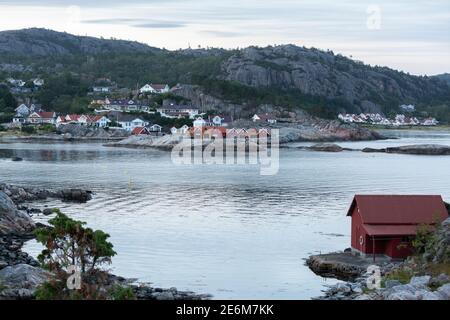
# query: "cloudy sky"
[[410, 35]]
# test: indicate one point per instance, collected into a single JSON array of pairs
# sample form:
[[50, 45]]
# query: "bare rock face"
[[326, 147], [43, 42], [73, 131], [21, 281], [11, 219], [322, 73], [418, 149], [206, 102]]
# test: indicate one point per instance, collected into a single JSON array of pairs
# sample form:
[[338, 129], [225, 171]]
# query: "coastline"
[[21, 274]]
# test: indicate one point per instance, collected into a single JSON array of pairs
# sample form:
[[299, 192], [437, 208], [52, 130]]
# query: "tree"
[[7, 101], [68, 243]]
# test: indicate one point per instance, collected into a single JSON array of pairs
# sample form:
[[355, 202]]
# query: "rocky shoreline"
[[418, 149], [20, 273], [72, 132]]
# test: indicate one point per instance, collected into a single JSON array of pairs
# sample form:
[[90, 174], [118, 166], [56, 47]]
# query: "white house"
[[430, 122], [219, 120], [16, 82], [155, 128], [265, 118], [38, 82], [99, 121], [408, 107], [199, 122], [177, 111], [155, 88], [19, 119], [42, 118], [129, 122], [101, 89], [22, 110], [183, 130]]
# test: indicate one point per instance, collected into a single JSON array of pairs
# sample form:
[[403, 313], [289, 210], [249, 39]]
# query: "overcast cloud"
[[410, 35]]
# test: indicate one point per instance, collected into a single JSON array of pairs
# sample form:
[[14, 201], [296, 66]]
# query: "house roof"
[[176, 107], [158, 86], [266, 116], [399, 209], [225, 119], [120, 117], [139, 130], [45, 114]]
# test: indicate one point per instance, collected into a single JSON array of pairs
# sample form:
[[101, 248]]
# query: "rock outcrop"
[[318, 73], [326, 147], [73, 131], [418, 149], [21, 281], [20, 194], [13, 221], [43, 42]]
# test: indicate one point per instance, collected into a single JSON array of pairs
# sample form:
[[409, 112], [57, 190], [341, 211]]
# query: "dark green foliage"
[[166, 123], [68, 78], [29, 129], [424, 240], [64, 93], [122, 293], [6, 117], [7, 101], [69, 243]]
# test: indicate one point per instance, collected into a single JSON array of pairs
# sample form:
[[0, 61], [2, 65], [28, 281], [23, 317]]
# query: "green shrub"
[[47, 128], [29, 129], [69, 244], [122, 293], [402, 275], [49, 291], [424, 240]]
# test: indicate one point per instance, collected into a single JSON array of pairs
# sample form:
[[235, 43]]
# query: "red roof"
[[139, 130], [158, 86], [46, 115], [399, 209]]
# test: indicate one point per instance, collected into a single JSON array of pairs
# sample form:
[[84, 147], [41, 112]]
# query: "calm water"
[[223, 230]]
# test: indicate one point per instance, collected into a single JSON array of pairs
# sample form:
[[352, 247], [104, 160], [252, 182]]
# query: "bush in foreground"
[[70, 246]]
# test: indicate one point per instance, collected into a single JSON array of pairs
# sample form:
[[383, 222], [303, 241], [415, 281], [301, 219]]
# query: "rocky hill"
[[445, 77], [288, 77], [43, 42], [322, 73]]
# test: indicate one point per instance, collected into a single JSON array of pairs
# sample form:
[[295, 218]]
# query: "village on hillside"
[[133, 114], [136, 112], [398, 120]]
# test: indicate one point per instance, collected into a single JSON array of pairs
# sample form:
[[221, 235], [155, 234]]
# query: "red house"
[[386, 224], [140, 130]]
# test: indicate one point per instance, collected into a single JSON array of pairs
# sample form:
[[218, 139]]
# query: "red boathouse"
[[386, 224]]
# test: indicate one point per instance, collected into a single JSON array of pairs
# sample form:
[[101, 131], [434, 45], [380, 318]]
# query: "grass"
[[401, 275], [436, 269], [2, 287]]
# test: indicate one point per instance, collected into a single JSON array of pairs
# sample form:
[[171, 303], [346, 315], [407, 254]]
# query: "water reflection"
[[224, 230]]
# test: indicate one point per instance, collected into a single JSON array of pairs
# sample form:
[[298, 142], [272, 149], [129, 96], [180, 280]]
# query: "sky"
[[408, 35]]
